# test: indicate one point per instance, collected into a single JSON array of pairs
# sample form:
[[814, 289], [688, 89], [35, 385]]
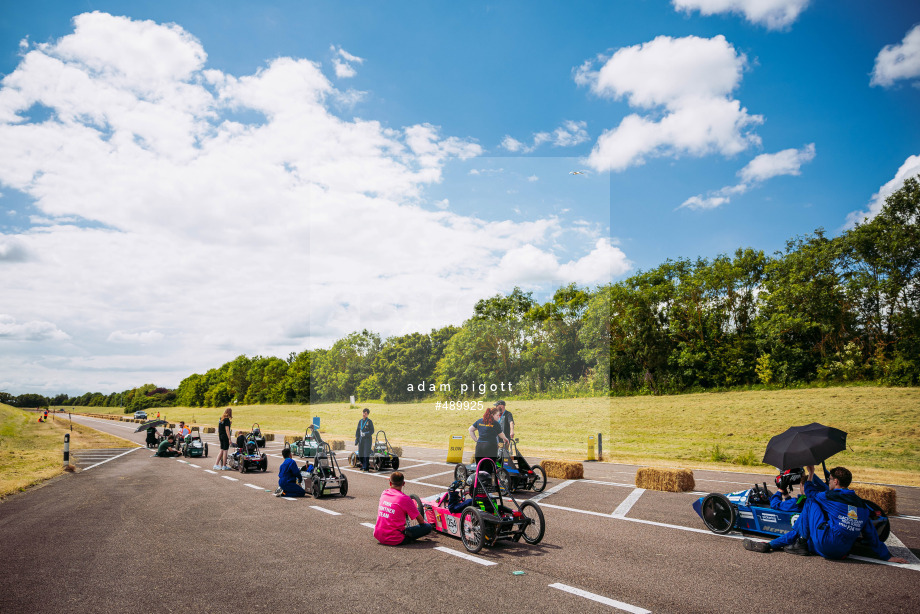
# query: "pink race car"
[[476, 513]]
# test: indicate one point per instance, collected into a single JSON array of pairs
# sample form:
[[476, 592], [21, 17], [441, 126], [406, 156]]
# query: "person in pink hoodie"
[[395, 507]]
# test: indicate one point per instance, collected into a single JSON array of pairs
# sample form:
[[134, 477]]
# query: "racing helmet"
[[485, 479], [251, 447]]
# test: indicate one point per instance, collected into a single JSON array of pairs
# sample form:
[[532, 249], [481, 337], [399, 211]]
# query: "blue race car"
[[749, 510]]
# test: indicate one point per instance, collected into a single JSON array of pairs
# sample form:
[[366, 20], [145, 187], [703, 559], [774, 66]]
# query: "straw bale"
[[209, 429], [668, 480], [289, 439], [397, 450], [567, 470], [883, 496], [269, 436], [337, 444]]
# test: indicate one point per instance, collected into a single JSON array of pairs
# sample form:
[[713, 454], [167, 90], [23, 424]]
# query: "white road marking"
[[627, 504], [414, 466], [608, 483], [113, 458], [572, 509], [369, 525], [464, 555], [194, 466], [211, 472], [552, 491], [289, 498], [323, 509], [254, 486], [907, 517], [600, 599], [227, 477], [433, 475]]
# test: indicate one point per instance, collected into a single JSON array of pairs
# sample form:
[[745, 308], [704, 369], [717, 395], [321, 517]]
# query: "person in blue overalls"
[[830, 523], [363, 438], [288, 476]]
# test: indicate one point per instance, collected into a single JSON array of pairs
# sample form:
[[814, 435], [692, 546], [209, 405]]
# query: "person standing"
[[489, 433], [505, 420], [363, 437], [223, 436]]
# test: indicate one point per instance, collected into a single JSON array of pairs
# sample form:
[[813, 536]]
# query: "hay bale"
[[883, 496], [209, 429], [397, 450], [269, 436], [289, 439], [337, 444], [567, 470], [668, 480]]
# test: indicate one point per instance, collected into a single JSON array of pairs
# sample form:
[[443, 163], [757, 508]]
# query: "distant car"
[[140, 415]]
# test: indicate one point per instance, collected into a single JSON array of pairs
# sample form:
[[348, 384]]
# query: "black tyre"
[[472, 531], [460, 472], [353, 459], [205, 450], [419, 505], [317, 489], [539, 482], [374, 463], [395, 461], [718, 513], [343, 488], [242, 466], [879, 521], [504, 481], [534, 531], [263, 464]]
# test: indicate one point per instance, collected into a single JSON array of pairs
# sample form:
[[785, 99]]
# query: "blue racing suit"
[[288, 474], [789, 505], [831, 521]]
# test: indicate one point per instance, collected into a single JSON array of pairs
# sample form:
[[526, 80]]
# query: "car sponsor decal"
[[768, 518], [747, 515]]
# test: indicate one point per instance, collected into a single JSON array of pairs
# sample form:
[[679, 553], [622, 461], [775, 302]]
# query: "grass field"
[[31, 452], [727, 430]]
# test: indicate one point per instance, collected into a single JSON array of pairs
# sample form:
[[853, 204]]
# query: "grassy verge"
[[31, 452], [725, 431]]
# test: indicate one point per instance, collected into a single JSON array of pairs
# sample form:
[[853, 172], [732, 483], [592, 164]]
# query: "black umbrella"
[[150, 425], [804, 445]]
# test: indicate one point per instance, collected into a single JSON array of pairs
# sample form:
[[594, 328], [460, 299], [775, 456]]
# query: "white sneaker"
[[278, 492], [225, 468], [216, 467]]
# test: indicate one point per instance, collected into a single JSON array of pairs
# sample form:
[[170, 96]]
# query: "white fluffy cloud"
[[343, 63], [758, 170], [896, 62], [164, 217], [910, 168], [686, 85], [569, 134], [774, 14]]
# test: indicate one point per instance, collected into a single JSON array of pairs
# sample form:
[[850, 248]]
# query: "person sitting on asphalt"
[[830, 523], [288, 477], [167, 448], [395, 506], [782, 501]]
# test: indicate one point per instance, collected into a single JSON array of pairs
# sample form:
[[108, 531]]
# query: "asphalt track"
[[140, 534]]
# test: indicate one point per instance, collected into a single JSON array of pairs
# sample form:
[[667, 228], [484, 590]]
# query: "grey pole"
[[600, 447], [66, 448]]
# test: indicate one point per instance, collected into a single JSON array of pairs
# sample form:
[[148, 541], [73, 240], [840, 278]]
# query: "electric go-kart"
[[475, 511], [257, 433], [307, 447], [323, 475], [192, 446], [515, 473], [749, 510], [382, 455], [250, 456]]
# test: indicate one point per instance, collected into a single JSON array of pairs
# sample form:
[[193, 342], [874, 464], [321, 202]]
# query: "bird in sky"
[[578, 173]]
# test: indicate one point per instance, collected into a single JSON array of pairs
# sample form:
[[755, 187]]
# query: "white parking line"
[[369, 525], [323, 509], [211, 472], [194, 466], [552, 490], [414, 466], [227, 477], [254, 486], [608, 483], [433, 475], [627, 504], [464, 555], [113, 458], [907, 517], [288, 498], [600, 599]]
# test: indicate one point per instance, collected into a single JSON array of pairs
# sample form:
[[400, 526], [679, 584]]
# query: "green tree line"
[[842, 309]]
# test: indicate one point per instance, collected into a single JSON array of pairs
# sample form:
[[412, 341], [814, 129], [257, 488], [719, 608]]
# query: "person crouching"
[[394, 508], [288, 477]]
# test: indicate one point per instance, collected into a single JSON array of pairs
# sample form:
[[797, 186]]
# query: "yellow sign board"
[[455, 449], [591, 447]]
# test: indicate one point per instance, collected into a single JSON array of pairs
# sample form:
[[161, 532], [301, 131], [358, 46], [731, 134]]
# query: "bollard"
[[590, 447], [600, 447], [66, 449]]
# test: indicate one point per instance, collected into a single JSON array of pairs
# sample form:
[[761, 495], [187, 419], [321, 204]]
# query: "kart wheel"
[[317, 489], [374, 463], [504, 481], [539, 482], [881, 524], [534, 531], [718, 513], [343, 488], [353, 459], [205, 450], [460, 472], [242, 466], [395, 460], [418, 504], [472, 532]]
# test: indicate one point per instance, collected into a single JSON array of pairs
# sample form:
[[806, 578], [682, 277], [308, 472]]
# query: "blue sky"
[[185, 182]]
